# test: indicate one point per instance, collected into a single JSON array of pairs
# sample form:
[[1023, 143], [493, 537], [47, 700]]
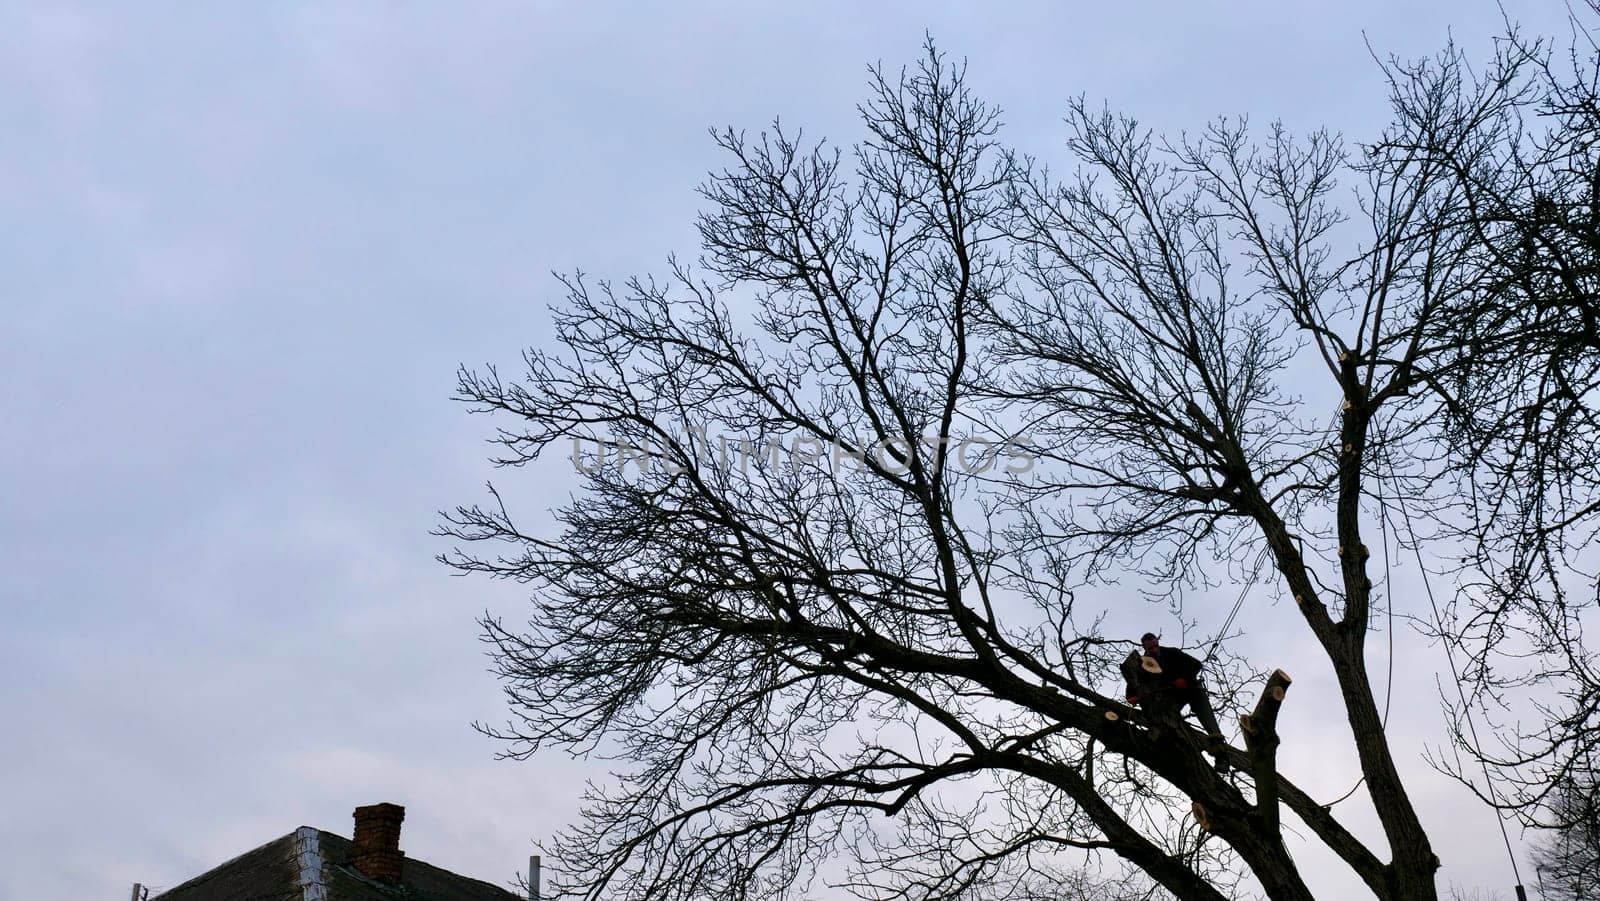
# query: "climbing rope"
[[1455, 673], [1389, 677], [1255, 571], [1466, 711]]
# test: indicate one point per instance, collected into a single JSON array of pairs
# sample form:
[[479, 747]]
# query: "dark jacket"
[[1176, 665]]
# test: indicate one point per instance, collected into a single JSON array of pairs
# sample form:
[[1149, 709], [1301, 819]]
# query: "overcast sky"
[[245, 248]]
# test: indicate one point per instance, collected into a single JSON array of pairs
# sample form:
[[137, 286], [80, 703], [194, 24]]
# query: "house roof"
[[312, 865]]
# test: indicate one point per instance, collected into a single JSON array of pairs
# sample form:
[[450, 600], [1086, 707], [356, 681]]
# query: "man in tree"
[[1179, 677]]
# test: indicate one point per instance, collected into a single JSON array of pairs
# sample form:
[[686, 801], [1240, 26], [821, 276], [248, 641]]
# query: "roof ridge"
[[212, 873]]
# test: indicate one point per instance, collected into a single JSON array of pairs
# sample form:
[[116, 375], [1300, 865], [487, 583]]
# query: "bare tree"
[[1522, 434], [849, 477]]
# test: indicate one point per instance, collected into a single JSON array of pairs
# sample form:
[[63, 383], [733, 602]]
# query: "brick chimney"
[[375, 848]]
